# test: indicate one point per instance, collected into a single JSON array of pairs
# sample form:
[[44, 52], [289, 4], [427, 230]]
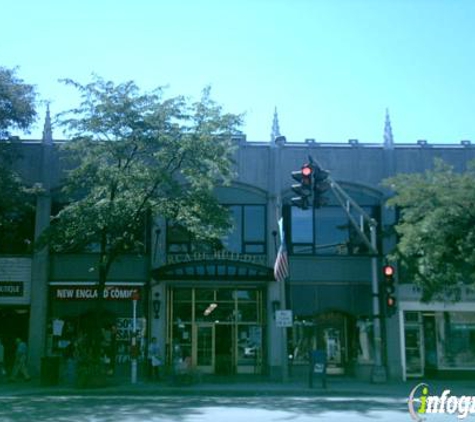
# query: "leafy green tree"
[[17, 102], [17, 111], [436, 245], [134, 155]]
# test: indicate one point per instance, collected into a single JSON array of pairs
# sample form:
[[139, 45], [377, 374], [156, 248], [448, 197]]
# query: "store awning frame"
[[224, 270]]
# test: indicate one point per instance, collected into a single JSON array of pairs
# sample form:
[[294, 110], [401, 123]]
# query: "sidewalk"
[[342, 387]]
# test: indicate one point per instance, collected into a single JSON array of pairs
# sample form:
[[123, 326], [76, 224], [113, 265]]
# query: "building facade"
[[217, 310]]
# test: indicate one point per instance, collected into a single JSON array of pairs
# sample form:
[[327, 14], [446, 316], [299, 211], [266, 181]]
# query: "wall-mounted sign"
[[11, 288], [91, 292], [283, 318]]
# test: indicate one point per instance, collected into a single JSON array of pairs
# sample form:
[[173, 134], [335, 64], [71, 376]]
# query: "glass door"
[[219, 329], [204, 355], [413, 344]]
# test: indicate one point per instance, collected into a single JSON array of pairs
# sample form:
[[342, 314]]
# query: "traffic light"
[[304, 186], [390, 289], [320, 186]]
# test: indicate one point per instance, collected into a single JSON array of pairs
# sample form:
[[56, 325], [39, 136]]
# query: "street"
[[196, 409]]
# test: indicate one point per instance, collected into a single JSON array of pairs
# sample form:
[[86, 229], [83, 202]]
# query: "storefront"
[[216, 315], [15, 284], [332, 332], [438, 339], [73, 309]]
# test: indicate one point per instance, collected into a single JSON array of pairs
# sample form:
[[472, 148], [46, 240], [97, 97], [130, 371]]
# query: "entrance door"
[[13, 324], [221, 329], [430, 345], [413, 344], [224, 349], [332, 338], [204, 355]]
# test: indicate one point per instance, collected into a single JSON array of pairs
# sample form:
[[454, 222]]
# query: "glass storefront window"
[[182, 339], [249, 344], [182, 295], [245, 294], [456, 343], [225, 294], [247, 312], [204, 294], [182, 311], [224, 312]]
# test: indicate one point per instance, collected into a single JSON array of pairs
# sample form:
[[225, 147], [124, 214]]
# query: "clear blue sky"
[[330, 66]]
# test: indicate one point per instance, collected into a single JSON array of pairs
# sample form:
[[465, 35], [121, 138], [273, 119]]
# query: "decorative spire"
[[275, 132], [47, 130], [388, 132]]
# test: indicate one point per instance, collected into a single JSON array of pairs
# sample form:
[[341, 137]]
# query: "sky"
[[331, 67]]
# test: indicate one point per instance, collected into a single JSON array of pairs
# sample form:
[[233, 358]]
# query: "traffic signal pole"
[[379, 374]]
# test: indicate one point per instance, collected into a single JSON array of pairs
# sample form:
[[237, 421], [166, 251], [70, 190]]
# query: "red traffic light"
[[307, 170], [388, 270], [391, 302]]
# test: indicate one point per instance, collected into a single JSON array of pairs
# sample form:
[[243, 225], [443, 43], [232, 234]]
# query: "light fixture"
[[210, 309], [156, 303]]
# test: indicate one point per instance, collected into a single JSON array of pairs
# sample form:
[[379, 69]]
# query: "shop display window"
[[456, 339]]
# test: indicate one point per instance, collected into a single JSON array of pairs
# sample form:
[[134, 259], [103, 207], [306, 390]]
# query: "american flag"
[[281, 266]]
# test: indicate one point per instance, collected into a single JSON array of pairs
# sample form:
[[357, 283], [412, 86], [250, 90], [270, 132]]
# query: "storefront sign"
[[91, 292], [11, 288], [221, 255]]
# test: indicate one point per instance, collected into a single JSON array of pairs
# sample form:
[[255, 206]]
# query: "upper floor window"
[[17, 231], [327, 230], [247, 236]]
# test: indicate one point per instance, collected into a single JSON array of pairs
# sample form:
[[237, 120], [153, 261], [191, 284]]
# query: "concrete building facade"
[[217, 310]]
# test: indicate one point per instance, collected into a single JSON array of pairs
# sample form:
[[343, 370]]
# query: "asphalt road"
[[197, 409]]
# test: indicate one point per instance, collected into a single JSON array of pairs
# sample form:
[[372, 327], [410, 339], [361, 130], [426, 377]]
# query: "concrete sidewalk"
[[343, 387]]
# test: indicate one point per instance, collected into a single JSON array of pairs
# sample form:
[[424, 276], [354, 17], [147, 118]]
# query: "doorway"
[[213, 349], [224, 349], [219, 329], [13, 324], [430, 345], [413, 344]]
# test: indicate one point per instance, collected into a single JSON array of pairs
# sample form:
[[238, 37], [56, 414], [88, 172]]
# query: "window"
[[302, 231], [247, 236], [17, 231], [328, 230]]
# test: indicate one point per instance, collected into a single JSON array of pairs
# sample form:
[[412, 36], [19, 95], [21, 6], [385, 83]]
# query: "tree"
[[17, 102], [17, 110], [436, 245], [136, 154]]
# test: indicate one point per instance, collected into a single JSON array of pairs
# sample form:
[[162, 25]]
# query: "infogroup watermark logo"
[[421, 403]]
